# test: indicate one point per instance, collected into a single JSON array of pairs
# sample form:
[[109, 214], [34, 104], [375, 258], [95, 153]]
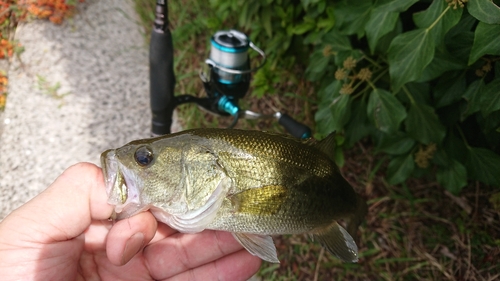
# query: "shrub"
[[432, 99], [421, 79]]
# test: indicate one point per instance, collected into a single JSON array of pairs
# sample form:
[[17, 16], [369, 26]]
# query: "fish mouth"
[[121, 186], [109, 169], [115, 183]]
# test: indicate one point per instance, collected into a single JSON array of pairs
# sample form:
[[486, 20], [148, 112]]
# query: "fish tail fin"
[[355, 220], [338, 242]]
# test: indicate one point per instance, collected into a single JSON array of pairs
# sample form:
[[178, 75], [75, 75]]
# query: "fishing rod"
[[227, 81]]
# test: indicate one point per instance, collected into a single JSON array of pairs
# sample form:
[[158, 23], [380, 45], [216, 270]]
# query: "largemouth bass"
[[251, 183]]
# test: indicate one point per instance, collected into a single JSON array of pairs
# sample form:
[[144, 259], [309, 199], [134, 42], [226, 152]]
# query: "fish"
[[251, 183]]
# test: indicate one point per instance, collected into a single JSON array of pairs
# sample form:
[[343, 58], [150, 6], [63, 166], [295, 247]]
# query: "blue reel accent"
[[306, 135], [229, 49], [228, 106], [236, 80]]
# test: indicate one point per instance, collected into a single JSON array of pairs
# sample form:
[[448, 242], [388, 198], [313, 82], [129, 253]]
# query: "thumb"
[[64, 210]]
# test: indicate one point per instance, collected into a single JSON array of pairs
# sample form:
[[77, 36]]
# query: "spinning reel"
[[230, 73], [226, 82]]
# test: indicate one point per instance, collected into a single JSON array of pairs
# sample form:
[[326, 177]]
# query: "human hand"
[[64, 234]]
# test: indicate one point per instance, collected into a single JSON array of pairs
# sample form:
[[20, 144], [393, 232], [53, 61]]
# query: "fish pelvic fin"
[[338, 242], [261, 246], [327, 146]]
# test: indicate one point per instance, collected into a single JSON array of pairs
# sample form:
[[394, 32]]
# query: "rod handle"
[[161, 73]]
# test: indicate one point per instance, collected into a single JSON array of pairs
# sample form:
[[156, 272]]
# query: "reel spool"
[[230, 70]]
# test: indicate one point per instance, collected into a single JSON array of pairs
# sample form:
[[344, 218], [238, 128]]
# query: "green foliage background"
[[421, 79]]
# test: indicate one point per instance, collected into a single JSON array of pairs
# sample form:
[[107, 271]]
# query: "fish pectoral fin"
[[198, 219], [259, 201], [338, 241], [261, 246]]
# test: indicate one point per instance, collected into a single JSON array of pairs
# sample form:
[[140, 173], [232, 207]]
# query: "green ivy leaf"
[[454, 147], [437, 22], [484, 10], [383, 19], [395, 5], [352, 16], [409, 54], [395, 143], [327, 93], [359, 126], [420, 92], [449, 89], [441, 158], [385, 111], [489, 125], [341, 111], [318, 62], [379, 24], [423, 125], [453, 177], [460, 45], [424, 19], [490, 98], [334, 116], [324, 122], [486, 41], [442, 62], [400, 168], [315, 38], [337, 41], [385, 41], [484, 165], [473, 97], [334, 110], [459, 39]]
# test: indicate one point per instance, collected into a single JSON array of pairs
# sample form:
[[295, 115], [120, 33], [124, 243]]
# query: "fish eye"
[[143, 156]]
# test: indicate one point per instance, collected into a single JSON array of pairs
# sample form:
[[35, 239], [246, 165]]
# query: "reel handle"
[[294, 127]]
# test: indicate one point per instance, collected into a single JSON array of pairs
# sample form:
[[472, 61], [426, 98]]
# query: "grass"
[[415, 231]]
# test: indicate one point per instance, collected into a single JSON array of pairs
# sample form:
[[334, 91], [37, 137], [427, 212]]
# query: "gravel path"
[[99, 60]]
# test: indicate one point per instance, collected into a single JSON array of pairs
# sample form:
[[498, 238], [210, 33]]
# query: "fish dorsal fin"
[[338, 242], [327, 146], [261, 246]]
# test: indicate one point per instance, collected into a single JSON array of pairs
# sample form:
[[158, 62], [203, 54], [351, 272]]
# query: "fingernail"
[[133, 246]]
